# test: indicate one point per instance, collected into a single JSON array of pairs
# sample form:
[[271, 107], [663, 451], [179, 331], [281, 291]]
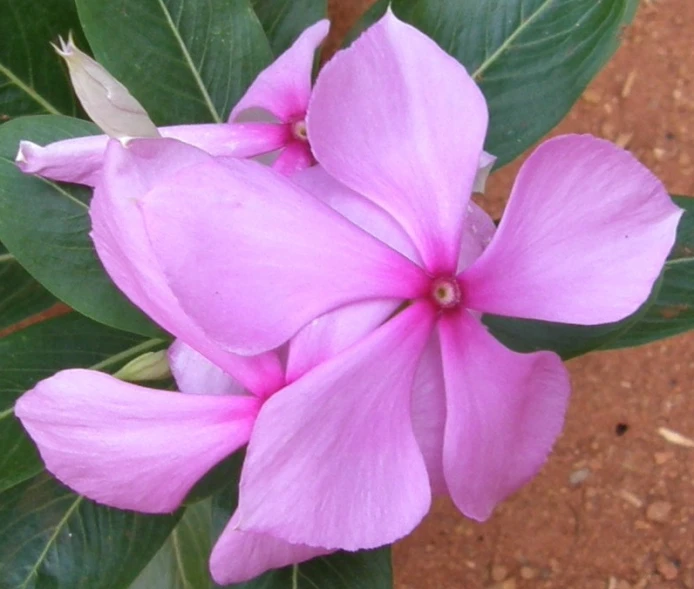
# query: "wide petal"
[[333, 461], [583, 239], [257, 258], [397, 119], [195, 374], [429, 412], [504, 412], [239, 556], [127, 446], [294, 158], [123, 245], [284, 87]]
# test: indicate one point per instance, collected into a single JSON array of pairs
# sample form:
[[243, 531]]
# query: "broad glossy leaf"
[[186, 61], [673, 311], [46, 226], [51, 538], [37, 352], [532, 58], [182, 562], [32, 79], [285, 20], [20, 295]]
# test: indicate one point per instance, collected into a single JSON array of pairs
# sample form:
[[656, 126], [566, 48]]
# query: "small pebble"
[[658, 511], [666, 568], [498, 573], [527, 573], [578, 476]]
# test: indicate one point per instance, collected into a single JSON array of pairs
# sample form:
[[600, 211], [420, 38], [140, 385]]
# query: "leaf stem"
[[29, 91], [125, 354], [6, 258]]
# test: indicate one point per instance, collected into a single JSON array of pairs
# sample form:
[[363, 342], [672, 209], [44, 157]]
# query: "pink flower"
[[283, 89], [395, 119]]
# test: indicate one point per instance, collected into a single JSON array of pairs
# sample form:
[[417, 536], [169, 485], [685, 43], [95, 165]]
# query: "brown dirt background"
[[609, 511]]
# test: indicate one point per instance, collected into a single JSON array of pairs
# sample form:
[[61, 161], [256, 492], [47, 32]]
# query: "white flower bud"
[[106, 100], [149, 366]]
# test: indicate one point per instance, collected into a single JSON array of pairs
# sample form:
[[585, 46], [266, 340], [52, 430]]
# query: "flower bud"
[[149, 366], [107, 102]]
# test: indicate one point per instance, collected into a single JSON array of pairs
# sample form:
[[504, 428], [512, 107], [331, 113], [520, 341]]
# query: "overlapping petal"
[[124, 248], [504, 411], [398, 120], [240, 556], [257, 258], [284, 87], [127, 446], [583, 239], [333, 461]]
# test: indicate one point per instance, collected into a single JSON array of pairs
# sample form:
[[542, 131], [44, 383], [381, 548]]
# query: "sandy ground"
[[613, 508]]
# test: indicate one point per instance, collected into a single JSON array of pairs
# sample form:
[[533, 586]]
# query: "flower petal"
[[285, 86], [195, 374], [478, 230], [345, 468], [429, 412], [240, 556], [127, 446], [295, 157], [81, 159], [504, 412], [257, 258], [584, 237], [487, 161], [398, 120], [121, 240]]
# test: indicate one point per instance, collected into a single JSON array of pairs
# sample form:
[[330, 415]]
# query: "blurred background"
[[614, 506]]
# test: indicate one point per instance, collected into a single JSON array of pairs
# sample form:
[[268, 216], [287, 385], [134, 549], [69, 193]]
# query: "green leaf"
[[53, 539], [185, 61], [532, 58], [672, 312], [182, 562], [32, 78], [285, 20], [366, 569], [20, 295], [37, 352], [46, 226]]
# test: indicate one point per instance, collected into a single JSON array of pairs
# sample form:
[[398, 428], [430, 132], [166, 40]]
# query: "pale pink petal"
[[400, 121], [285, 86], [257, 258], [76, 160], [584, 237], [295, 157], [81, 159], [504, 412], [333, 332], [127, 446], [195, 374], [240, 556], [478, 230], [487, 161], [429, 412], [333, 461], [124, 248], [358, 209]]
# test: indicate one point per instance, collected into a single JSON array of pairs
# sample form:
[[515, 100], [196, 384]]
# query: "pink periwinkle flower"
[[376, 266], [401, 125]]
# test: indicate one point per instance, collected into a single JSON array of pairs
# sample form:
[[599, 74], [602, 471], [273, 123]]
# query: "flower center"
[[299, 130], [445, 291]]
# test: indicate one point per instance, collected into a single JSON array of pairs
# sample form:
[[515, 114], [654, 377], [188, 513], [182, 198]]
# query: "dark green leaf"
[[366, 569], [32, 78], [20, 295], [46, 226], [285, 20], [532, 58], [185, 61], [27, 356], [182, 562], [53, 539], [672, 312]]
